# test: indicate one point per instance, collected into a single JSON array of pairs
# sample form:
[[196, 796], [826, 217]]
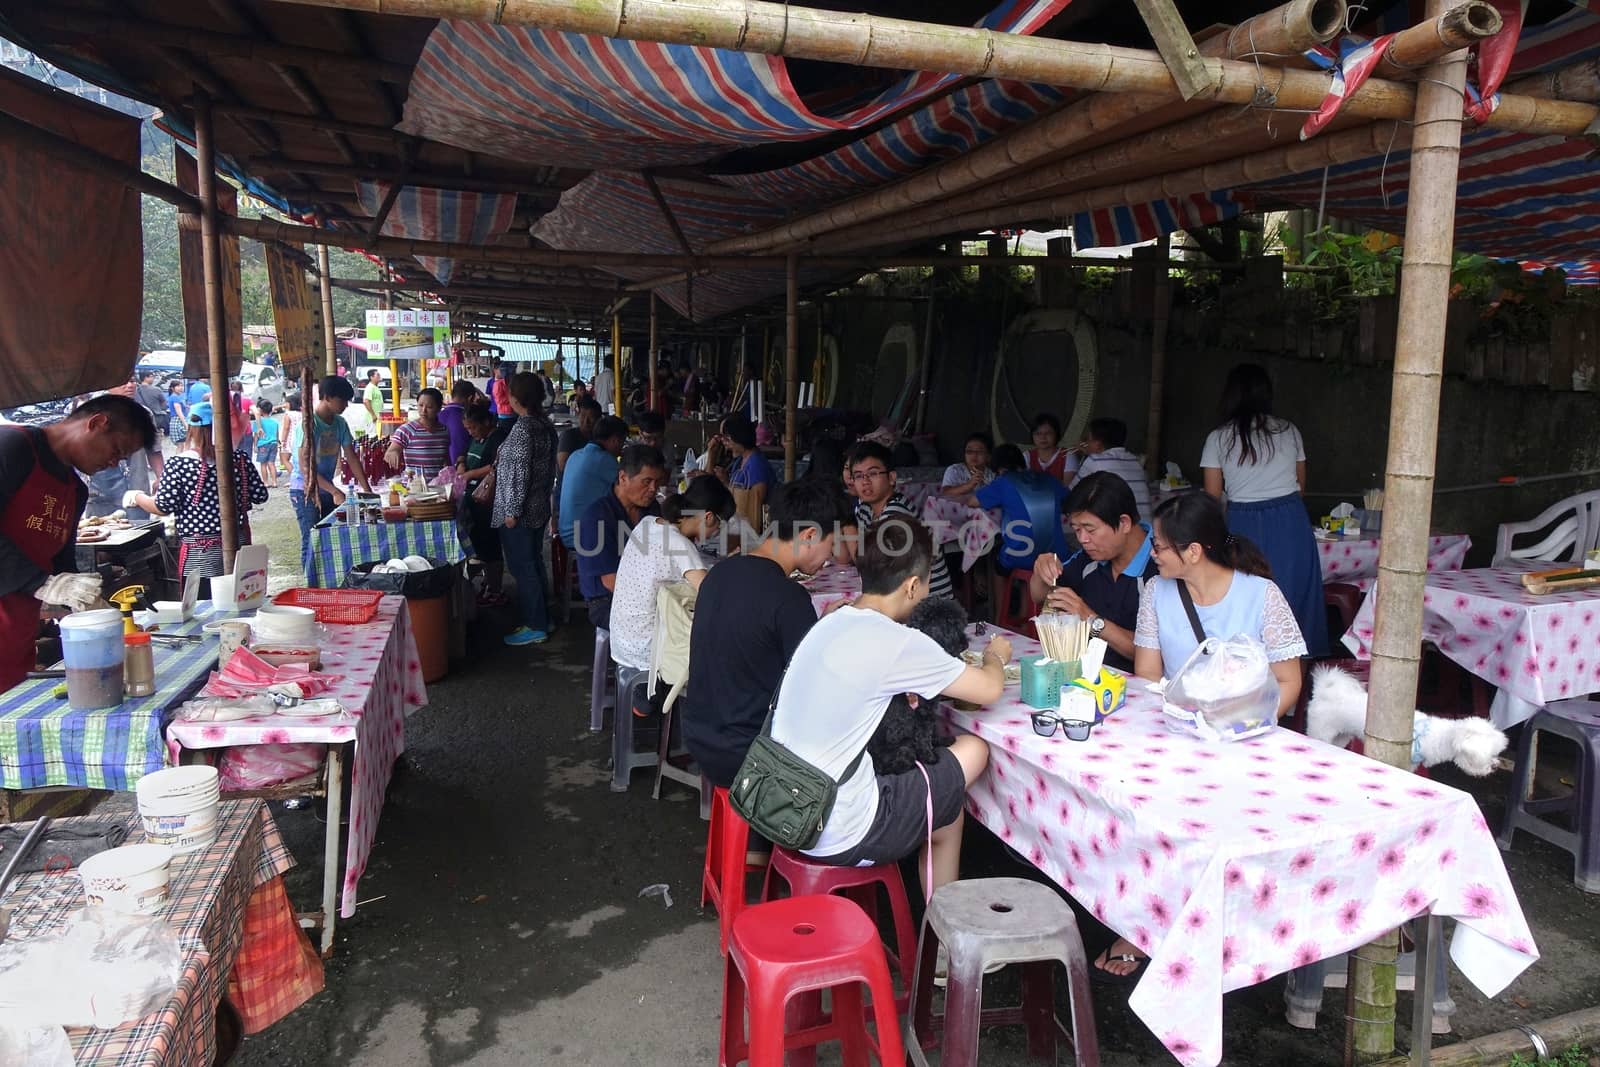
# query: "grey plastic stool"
[[624, 760], [601, 698], [1579, 722], [985, 921]]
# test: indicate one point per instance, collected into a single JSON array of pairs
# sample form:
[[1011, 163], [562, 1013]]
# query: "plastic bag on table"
[[103, 969], [262, 766], [1225, 691], [23, 1041]]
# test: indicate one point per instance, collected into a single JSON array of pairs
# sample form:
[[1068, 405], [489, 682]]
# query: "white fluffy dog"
[[1337, 713]]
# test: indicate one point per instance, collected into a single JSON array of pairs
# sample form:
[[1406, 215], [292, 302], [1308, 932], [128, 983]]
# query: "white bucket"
[[131, 879], [185, 833]]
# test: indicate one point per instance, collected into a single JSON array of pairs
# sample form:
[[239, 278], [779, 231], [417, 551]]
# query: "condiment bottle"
[[138, 665]]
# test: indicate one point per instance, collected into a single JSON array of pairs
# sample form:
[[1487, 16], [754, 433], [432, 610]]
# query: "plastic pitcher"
[[92, 650]]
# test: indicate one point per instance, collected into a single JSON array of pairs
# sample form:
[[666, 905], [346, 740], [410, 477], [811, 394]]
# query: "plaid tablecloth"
[[379, 684], [1231, 863], [209, 891], [1355, 559], [43, 742], [336, 548]]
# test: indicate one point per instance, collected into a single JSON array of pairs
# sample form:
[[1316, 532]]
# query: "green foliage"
[[1574, 1056]]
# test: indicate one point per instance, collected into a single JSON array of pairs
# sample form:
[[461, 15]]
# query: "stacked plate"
[[179, 807], [285, 624]]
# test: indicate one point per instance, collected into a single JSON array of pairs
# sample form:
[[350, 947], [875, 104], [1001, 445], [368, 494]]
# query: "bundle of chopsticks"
[[1065, 637], [1372, 500]]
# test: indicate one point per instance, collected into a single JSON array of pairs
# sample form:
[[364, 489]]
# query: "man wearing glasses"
[[872, 476]]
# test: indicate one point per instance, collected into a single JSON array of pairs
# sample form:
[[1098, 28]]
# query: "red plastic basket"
[[351, 606]]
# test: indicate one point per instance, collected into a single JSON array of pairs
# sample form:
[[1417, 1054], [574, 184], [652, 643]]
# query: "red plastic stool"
[[1019, 621], [805, 876], [796, 948], [722, 879]]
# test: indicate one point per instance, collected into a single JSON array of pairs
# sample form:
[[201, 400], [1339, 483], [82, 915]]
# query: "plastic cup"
[[92, 651], [222, 598], [231, 636]]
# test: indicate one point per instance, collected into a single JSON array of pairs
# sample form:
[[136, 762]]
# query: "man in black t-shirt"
[[1101, 583], [748, 619]]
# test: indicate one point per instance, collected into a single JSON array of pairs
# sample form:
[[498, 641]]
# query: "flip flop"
[[1101, 976]]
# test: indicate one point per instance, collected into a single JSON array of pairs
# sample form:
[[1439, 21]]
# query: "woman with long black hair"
[[524, 471], [1256, 461]]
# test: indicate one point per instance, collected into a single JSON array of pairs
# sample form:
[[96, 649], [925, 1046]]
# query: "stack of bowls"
[[131, 879], [285, 624], [179, 807]]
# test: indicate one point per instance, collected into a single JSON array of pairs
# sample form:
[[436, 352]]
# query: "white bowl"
[[131, 879]]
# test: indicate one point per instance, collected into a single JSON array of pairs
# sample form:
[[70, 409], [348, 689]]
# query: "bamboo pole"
[[791, 367], [1580, 81], [770, 28], [652, 364], [310, 122], [616, 360], [1158, 356], [1276, 163], [216, 325], [1417, 46], [1581, 1027], [385, 172], [1208, 134], [1283, 31], [325, 283], [1408, 485]]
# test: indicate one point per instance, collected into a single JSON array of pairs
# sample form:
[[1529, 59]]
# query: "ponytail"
[[1243, 555], [706, 494]]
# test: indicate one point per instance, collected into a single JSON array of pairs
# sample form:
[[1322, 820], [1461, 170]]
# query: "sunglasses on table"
[[1046, 722]]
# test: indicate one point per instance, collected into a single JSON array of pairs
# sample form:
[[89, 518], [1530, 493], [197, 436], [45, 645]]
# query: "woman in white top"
[[973, 472], [660, 551], [1232, 593], [1257, 462]]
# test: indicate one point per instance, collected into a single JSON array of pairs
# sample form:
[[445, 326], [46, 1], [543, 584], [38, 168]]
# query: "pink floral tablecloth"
[[1355, 559], [1230, 863], [1535, 649], [833, 584], [951, 521], [380, 683], [916, 493]]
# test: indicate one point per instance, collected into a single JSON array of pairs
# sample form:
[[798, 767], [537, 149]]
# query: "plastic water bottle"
[[352, 507]]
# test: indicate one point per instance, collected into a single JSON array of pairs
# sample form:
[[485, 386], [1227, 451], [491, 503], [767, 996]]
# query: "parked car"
[[262, 383], [39, 414]]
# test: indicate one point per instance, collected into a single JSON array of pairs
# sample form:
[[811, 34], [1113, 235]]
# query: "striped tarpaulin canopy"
[[425, 214], [598, 102], [1110, 227]]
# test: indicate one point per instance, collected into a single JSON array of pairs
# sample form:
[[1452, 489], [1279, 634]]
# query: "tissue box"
[[169, 612], [1042, 680], [1082, 698]]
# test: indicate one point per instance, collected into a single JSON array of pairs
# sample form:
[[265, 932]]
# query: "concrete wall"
[[1327, 379]]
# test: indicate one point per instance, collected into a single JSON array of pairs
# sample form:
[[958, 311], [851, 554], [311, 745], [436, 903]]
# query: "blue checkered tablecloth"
[[44, 742], [336, 548]]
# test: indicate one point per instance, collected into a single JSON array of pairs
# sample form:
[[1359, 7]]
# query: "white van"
[[162, 361]]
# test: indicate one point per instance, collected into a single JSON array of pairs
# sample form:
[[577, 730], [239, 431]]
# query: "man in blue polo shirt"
[[599, 537], [590, 473], [1103, 582]]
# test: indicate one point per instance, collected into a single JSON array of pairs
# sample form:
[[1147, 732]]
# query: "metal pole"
[[216, 326], [327, 310], [791, 365], [652, 363]]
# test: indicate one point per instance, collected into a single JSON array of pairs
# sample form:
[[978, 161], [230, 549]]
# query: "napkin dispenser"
[[1042, 679]]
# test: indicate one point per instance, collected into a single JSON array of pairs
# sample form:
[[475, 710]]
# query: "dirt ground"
[[503, 924]]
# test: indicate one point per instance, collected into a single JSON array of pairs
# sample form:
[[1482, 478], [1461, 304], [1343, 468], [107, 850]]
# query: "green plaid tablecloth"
[[44, 742], [336, 548], [209, 891]]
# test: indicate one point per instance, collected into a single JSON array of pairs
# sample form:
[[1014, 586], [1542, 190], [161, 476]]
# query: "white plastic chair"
[[1573, 525]]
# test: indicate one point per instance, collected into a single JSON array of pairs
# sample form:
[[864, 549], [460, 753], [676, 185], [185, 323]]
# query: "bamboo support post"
[[652, 365], [1158, 355], [1580, 81], [791, 366], [330, 357], [1416, 46], [216, 326], [1408, 484]]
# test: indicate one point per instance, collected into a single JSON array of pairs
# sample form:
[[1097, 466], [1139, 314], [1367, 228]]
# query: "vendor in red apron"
[[41, 499], [189, 493]]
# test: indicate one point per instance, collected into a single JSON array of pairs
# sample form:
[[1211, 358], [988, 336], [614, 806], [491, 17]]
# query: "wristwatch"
[[1097, 625]]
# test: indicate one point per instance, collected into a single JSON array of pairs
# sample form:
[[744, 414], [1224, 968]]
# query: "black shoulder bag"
[[1188, 608]]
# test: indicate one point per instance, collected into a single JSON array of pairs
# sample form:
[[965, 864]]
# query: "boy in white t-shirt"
[[837, 688]]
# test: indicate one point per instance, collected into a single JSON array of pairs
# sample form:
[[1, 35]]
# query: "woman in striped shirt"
[[423, 443]]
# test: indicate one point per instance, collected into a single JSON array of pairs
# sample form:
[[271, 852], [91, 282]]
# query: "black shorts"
[[900, 828]]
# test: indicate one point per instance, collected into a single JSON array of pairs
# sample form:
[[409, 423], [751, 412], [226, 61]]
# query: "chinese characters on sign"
[[408, 333]]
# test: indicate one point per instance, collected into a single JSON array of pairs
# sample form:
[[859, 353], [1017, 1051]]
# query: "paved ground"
[[503, 922]]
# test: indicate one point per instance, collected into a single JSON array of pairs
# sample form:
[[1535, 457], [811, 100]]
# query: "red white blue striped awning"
[[440, 215]]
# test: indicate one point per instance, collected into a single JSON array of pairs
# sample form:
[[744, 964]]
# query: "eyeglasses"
[[1045, 723], [867, 476]]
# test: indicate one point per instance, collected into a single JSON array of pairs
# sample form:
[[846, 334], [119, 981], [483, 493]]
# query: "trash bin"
[[427, 594]]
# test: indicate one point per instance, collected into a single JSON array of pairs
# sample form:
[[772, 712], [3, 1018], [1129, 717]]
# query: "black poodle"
[[909, 733]]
